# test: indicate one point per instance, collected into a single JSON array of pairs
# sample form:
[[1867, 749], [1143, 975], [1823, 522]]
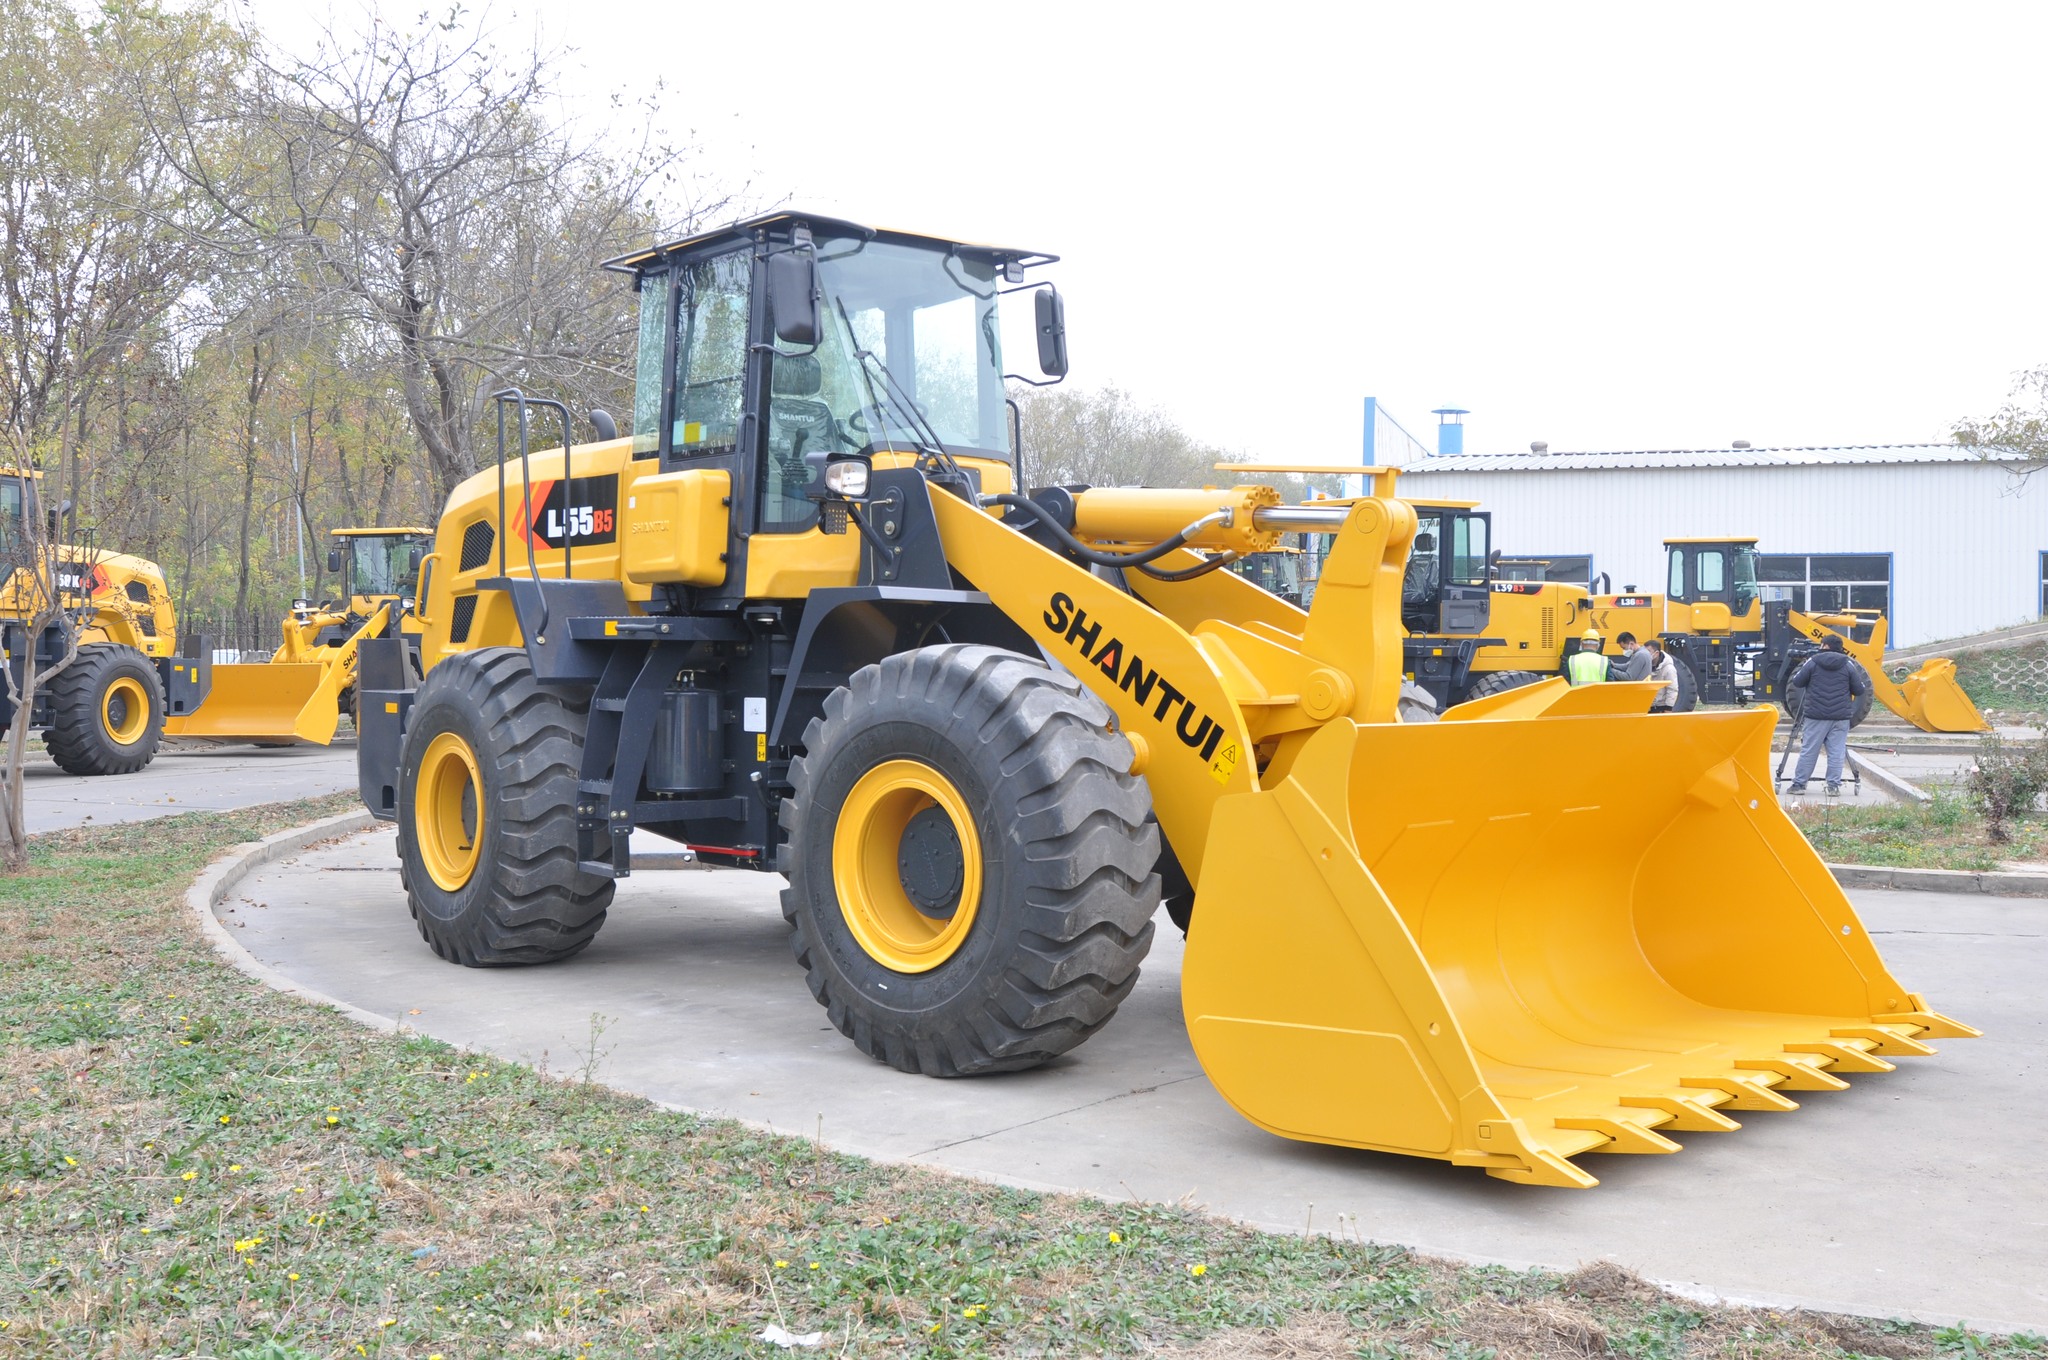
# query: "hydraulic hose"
[[1098, 558]]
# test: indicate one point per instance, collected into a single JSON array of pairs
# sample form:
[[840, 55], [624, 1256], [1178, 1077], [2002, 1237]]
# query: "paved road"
[[186, 778], [1912, 1193]]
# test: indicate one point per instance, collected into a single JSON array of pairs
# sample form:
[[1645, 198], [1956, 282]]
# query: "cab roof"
[[378, 533], [746, 228], [1715, 538]]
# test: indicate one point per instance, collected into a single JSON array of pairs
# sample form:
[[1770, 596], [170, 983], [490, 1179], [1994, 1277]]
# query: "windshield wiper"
[[929, 445]]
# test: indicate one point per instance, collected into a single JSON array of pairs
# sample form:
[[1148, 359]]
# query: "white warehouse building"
[[1947, 540]]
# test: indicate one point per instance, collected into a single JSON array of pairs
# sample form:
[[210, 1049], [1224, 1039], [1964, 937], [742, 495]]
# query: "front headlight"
[[848, 478]]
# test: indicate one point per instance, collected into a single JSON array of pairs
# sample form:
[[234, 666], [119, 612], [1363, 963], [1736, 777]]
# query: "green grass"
[[191, 1165], [2014, 697], [1947, 833]]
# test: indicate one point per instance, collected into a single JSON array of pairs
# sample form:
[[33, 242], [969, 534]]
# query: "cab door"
[[1467, 599]]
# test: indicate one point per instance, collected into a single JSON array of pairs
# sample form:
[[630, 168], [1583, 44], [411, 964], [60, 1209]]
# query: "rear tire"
[[1012, 771], [106, 711], [487, 815], [1688, 687]]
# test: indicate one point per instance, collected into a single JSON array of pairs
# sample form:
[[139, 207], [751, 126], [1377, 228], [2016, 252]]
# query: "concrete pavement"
[[1910, 1194], [186, 778]]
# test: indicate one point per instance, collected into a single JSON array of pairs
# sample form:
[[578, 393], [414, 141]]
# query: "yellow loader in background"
[[105, 712], [310, 680], [805, 618]]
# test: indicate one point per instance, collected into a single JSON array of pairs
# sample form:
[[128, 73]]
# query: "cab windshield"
[[380, 565], [12, 538], [1744, 576], [910, 349]]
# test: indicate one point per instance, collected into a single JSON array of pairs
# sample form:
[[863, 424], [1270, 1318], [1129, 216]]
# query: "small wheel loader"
[[310, 681], [105, 712], [807, 617]]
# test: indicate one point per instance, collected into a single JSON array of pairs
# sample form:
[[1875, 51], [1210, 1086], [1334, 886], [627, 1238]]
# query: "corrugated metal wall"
[[1966, 539]]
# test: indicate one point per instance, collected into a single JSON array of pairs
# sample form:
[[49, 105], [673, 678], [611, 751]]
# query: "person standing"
[[1635, 660], [1832, 684], [1586, 666], [1665, 672]]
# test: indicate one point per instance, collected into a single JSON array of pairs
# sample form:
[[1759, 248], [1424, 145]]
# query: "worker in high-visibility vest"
[[1586, 666]]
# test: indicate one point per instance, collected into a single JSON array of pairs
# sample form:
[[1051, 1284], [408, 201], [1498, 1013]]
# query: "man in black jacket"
[[1832, 683]]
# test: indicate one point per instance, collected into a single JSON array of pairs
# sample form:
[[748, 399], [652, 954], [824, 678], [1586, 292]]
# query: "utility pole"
[[299, 511]]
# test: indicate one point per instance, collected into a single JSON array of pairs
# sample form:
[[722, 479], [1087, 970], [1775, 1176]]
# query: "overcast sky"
[[1603, 226]]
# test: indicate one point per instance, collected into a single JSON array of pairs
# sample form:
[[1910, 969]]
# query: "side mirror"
[[1052, 332], [413, 557], [334, 560], [793, 294]]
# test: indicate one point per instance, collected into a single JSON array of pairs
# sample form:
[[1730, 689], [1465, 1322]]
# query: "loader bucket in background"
[[1505, 942], [1935, 701], [281, 701], [1930, 699]]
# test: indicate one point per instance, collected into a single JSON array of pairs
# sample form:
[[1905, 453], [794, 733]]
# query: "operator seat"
[[1418, 582], [798, 423]]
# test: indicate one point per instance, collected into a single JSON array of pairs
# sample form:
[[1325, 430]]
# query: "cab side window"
[[1676, 589], [1712, 573], [711, 349]]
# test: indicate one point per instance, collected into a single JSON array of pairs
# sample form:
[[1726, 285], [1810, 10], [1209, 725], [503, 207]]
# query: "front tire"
[[106, 711], [487, 815], [970, 862], [1498, 682]]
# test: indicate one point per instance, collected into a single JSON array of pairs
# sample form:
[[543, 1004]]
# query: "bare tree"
[[1105, 437], [426, 197], [36, 610], [2019, 427]]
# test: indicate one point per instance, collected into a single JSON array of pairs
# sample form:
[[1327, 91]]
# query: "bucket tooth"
[[1932, 1024], [1749, 1093], [1846, 1057], [1892, 1041], [1800, 1074], [1689, 1114], [1624, 1135]]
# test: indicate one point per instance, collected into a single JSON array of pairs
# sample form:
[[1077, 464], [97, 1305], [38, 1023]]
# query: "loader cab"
[[772, 344], [1446, 587], [1711, 585], [377, 565]]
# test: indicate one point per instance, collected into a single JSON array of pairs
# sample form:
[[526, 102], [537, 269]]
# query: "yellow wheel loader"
[[805, 618], [1474, 632], [105, 712], [310, 680]]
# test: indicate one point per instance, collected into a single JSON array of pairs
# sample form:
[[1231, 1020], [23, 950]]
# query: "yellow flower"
[[236, 1167], [177, 1199], [814, 1265], [645, 1209], [1198, 1270], [388, 1322], [972, 1310], [933, 1328], [292, 1275], [1115, 1238], [227, 1119], [331, 1119], [189, 1176], [71, 1161], [779, 1265]]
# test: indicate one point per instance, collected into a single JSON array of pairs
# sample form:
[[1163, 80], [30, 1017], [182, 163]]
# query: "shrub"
[[2007, 779]]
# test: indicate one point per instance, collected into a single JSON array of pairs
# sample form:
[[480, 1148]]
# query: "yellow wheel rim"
[[447, 811], [124, 710], [869, 857]]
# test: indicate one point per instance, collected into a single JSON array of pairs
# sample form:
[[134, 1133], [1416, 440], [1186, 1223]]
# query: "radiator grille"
[[477, 541]]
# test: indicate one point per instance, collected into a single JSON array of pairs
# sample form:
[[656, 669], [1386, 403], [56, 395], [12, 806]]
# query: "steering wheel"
[[865, 421]]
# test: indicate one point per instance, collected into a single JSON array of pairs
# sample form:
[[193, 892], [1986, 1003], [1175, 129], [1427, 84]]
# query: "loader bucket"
[[1508, 940], [281, 701], [1934, 702]]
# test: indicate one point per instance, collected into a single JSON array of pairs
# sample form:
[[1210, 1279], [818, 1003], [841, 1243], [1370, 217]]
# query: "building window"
[[1826, 583], [2044, 585]]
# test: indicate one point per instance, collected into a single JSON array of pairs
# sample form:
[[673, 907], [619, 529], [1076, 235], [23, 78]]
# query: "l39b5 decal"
[[579, 511]]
